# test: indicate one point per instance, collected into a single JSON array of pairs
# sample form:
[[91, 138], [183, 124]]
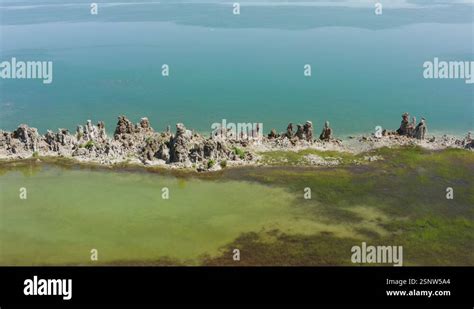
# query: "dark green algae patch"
[[397, 201], [403, 197]]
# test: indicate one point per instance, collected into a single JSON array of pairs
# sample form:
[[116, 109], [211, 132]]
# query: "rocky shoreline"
[[141, 144]]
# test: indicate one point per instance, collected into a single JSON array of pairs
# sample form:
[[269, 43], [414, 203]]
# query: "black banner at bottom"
[[422, 286]]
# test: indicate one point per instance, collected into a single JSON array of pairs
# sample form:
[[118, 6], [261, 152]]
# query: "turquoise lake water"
[[366, 69]]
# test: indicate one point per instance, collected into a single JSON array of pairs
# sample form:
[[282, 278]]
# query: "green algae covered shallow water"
[[262, 211], [123, 215]]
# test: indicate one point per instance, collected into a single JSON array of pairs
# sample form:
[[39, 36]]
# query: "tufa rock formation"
[[139, 143], [326, 133]]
